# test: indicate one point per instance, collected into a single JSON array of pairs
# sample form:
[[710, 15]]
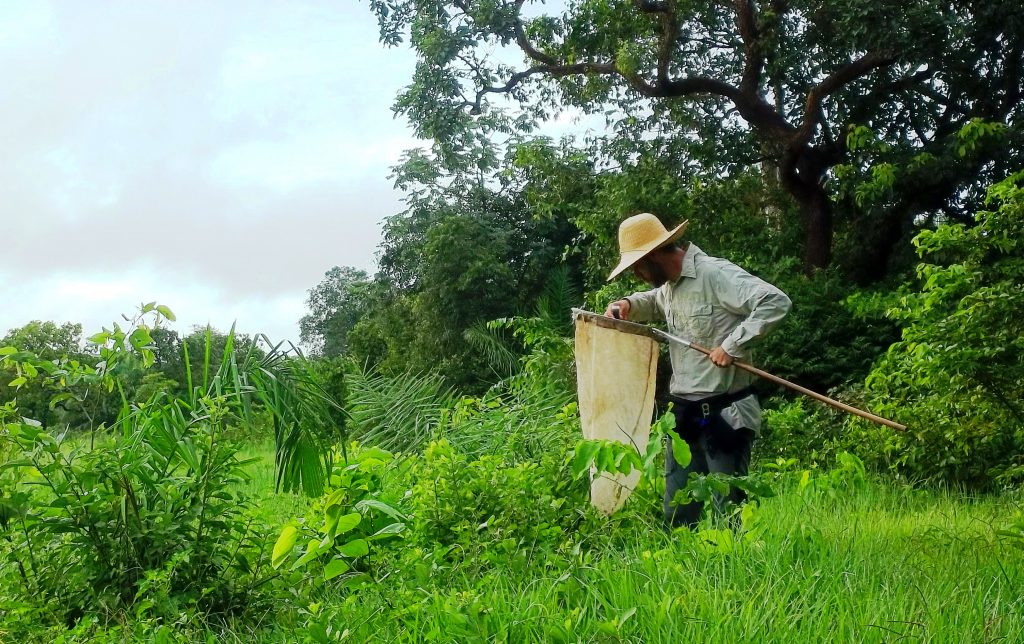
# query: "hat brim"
[[629, 258]]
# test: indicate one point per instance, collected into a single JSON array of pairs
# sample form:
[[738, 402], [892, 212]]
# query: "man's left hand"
[[720, 357]]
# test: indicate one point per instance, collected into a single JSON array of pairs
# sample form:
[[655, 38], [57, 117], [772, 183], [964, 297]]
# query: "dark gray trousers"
[[716, 447]]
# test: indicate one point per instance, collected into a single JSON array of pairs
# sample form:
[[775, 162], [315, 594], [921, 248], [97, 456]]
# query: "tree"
[[956, 377], [335, 306], [782, 83], [466, 250], [48, 341]]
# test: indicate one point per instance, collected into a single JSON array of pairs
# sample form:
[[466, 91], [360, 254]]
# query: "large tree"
[[335, 306], [783, 83], [466, 250]]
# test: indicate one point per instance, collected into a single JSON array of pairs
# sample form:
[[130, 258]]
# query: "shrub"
[[144, 518], [354, 518], [143, 515], [486, 505], [956, 377]]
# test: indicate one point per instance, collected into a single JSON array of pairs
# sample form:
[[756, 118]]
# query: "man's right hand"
[[623, 309]]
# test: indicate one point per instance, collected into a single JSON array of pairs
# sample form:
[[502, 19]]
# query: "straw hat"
[[641, 234]]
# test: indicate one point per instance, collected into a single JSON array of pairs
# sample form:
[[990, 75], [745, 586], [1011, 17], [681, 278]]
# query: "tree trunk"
[[801, 172], [817, 211]]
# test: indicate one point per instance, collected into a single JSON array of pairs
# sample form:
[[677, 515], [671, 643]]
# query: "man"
[[715, 304]]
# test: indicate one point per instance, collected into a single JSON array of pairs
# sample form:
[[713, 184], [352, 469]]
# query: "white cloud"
[[219, 156]]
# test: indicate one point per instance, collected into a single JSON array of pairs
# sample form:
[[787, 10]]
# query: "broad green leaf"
[[334, 568], [140, 338], [387, 531], [347, 523], [166, 312], [336, 498], [374, 454], [6, 351], [585, 452], [605, 461], [381, 506], [331, 516], [312, 551], [326, 542], [680, 450], [284, 545], [354, 548], [17, 382]]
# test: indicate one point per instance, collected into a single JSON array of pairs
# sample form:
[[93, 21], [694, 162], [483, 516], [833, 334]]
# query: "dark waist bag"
[[704, 416]]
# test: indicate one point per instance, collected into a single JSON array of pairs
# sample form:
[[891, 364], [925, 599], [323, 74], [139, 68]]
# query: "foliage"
[[956, 375], [612, 457], [732, 216], [145, 516], [142, 518], [825, 341], [85, 403], [519, 426], [331, 374], [488, 507], [397, 413], [466, 250], [354, 517], [736, 84], [176, 356], [335, 306]]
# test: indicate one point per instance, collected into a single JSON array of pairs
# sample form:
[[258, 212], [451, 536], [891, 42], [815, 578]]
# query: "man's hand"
[[720, 357], [623, 309]]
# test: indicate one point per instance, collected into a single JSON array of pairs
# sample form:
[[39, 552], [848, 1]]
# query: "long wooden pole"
[[657, 334]]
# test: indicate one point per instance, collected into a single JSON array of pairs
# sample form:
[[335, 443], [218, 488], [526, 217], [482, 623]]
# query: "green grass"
[[875, 562], [849, 562], [274, 507]]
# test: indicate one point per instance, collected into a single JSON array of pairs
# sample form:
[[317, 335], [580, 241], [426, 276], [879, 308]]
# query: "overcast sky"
[[217, 157]]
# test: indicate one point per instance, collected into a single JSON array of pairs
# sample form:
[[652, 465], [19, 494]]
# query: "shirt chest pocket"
[[693, 320]]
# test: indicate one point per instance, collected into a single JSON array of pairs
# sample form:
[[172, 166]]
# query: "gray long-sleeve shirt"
[[713, 303]]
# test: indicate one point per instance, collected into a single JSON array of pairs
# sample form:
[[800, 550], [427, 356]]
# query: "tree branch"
[[753, 61], [651, 6], [525, 44], [834, 82]]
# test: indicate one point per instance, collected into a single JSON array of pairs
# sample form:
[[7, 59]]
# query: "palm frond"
[[559, 295], [398, 413], [302, 412], [495, 347]]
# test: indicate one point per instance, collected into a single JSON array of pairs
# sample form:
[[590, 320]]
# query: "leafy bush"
[[824, 342], [489, 507], [354, 517], [144, 517], [956, 377]]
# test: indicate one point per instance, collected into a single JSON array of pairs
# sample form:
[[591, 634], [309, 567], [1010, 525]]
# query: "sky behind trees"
[[216, 157]]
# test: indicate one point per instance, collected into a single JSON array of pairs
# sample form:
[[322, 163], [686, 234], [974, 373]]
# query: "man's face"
[[650, 270]]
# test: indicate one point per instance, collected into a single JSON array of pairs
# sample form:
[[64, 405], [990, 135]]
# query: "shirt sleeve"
[[741, 293], [643, 306]]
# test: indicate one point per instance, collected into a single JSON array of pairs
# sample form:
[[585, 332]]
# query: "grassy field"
[[835, 560]]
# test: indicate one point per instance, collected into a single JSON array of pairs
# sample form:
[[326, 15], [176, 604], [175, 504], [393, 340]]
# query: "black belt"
[[703, 409]]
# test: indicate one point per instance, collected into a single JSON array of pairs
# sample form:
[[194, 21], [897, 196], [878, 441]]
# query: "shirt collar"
[[689, 270]]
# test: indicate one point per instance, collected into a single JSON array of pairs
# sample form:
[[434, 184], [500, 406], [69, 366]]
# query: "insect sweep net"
[[615, 375]]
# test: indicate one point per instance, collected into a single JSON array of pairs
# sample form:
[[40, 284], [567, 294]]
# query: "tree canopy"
[[792, 85], [335, 305]]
